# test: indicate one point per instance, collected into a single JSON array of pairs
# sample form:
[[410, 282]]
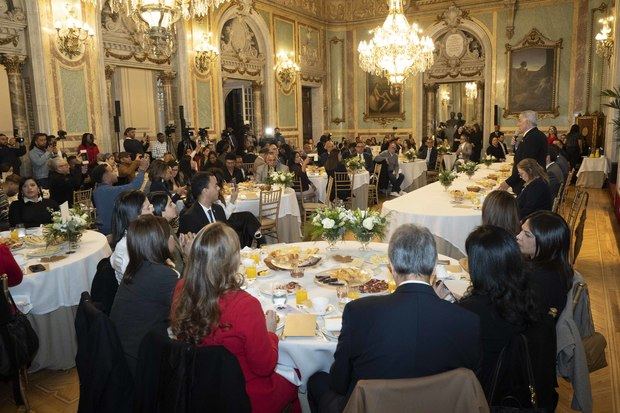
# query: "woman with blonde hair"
[[536, 194], [209, 308]]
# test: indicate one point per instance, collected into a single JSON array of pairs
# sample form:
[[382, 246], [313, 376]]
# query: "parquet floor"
[[599, 262]]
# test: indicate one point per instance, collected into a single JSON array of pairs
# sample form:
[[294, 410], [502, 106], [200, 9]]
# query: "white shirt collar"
[[414, 282], [26, 200], [528, 131], [205, 209], [550, 163]]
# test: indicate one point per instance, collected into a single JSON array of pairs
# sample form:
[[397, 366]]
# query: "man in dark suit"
[[363, 155], [204, 211], [132, 145], [533, 145], [495, 134], [230, 169], [410, 333], [428, 152], [554, 172]]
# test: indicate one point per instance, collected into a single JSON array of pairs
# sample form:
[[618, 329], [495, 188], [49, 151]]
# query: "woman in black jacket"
[[332, 165], [143, 299], [159, 175], [536, 194], [31, 209], [573, 146], [503, 297], [298, 166]]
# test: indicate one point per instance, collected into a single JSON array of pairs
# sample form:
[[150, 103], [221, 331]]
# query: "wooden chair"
[[268, 212], [557, 199], [433, 176], [373, 186], [309, 208], [578, 237], [580, 202], [343, 183], [564, 190], [84, 200]]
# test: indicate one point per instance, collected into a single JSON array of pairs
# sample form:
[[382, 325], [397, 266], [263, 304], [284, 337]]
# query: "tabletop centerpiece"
[[330, 224], [443, 149], [446, 178], [469, 168], [355, 164], [366, 224], [280, 180], [488, 160], [410, 155], [68, 228]]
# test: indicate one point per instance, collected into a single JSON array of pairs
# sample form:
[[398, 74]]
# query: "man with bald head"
[[533, 145], [62, 183]]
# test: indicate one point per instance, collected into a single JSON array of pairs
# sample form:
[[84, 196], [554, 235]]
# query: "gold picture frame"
[[532, 76], [384, 104]]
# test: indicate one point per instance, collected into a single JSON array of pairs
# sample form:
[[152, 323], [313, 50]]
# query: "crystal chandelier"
[[471, 90], [397, 50], [604, 38], [206, 53], [286, 70], [72, 33]]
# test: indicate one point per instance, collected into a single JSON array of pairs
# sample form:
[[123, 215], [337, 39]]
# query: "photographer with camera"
[[11, 149], [40, 154], [186, 143]]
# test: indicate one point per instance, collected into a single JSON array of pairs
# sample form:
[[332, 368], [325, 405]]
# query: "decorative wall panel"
[[203, 104], [74, 101]]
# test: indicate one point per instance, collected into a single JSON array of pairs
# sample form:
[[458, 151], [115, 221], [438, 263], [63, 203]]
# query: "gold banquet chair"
[[268, 212], [310, 208], [373, 186], [84, 199], [248, 168], [343, 183]]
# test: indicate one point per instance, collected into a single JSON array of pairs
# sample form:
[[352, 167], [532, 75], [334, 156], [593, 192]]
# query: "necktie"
[[210, 216]]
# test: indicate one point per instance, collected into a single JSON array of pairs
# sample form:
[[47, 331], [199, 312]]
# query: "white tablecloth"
[[412, 171], [66, 279], [313, 354], [360, 182], [289, 216], [593, 171], [430, 206]]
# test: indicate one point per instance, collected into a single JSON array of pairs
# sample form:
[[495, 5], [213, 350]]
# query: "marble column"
[[480, 103], [337, 69], [14, 66], [431, 93], [257, 96], [167, 78], [109, 73]]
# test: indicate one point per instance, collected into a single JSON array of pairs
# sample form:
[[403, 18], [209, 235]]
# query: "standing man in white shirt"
[[160, 147]]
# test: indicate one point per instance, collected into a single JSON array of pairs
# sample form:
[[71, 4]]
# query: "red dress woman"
[[88, 144], [9, 267]]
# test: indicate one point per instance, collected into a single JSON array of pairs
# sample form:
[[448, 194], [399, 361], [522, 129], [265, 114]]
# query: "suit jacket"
[[554, 172], [260, 174], [563, 164], [134, 147], [410, 333], [194, 218], [237, 174], [496, 151], [535, 196], [432, 160], [533, 145]]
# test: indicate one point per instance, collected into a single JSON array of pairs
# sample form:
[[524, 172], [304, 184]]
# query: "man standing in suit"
[[410, 333], [132, 145], [263, 171], [533, 145], [554, 172], [204, 210], [495, 134], [363, 155], [428, 152]]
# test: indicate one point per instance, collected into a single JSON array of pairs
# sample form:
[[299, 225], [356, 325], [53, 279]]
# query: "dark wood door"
[[306, 111], [233, 107]]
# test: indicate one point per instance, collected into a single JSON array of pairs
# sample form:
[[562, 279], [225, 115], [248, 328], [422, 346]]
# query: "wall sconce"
[[445, 97], [286, 70], [72, 34], [604, 38], [471, 90], [206, 53]]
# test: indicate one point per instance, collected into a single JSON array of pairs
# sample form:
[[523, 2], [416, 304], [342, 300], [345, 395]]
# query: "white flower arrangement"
[[281, 178], [355, 164], [411, 154], [367, 224], [330, 223], [488, 160], [69, 229]]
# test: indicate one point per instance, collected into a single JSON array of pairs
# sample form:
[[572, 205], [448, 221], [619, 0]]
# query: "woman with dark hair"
[[160, 174], [212, 162], [502, 296], [187, 168], [500, 209], [165, 208], [128, 206], [143, 299], [177, 178], [31, 209], [573, 146], [297, 165], [545, 242], [536, 194], [209, 308], [88, 144]]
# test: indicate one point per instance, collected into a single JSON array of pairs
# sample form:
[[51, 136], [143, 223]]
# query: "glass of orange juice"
[[301, 296], [391, 286], [250, 272], [256, 257]]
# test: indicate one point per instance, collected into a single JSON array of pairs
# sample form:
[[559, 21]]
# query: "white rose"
[[282, 178], [368, 223], [328, 223]]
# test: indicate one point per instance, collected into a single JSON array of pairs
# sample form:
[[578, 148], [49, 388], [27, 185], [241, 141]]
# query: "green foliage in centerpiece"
[[280, 178], [469, 168], [355, 164], [446, 177], [367, 224], [410, 155], [329, 223], [70, 229], [488, 160]]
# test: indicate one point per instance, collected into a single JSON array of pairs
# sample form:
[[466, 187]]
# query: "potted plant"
[[410, 155], [69, 229], [280, 179], [488, 160], [355, 164]]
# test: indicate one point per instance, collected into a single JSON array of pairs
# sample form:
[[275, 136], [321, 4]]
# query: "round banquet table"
[[312, 354], [360, 187], [431, 206], [50, 298], [289, 217], [414, 173]]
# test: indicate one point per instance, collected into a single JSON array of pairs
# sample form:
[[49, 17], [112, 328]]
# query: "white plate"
[[43, 252], [265, 288], [330, 309]]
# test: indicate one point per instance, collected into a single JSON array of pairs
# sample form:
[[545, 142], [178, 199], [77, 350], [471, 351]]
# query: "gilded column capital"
[[257, 84], [12, 63], [167, 77], [109, 71], [431, 87]]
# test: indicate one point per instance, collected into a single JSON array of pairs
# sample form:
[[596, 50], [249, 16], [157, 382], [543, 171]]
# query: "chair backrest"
[[377, 170], [577, 291], [344, 184], [174, 376], [453, 391], [269, 204], [579, 202], [104, 286], [330, 185], [83, 198], [296, 185], [578, 236], [557, 199], [439, 162], [248, 167]]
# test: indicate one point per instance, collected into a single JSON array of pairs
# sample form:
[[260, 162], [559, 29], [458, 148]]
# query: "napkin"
[[299, 325], [333, 324], [23, 303]]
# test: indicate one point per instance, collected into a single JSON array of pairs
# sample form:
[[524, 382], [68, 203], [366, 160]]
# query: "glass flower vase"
[[332, 237], [364, 237], [73, 238]]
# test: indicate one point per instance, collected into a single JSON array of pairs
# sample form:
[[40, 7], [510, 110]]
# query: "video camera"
[[203, 133], [61, 134], [170, 129]]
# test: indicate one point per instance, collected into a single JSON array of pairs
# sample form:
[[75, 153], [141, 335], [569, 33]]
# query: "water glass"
[[279, 296]]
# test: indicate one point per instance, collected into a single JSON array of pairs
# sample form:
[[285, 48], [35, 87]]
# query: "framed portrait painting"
[[532, 76], [383, 102]]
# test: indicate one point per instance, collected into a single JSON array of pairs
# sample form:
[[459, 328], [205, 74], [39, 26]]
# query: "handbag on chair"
[[18, 340]]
